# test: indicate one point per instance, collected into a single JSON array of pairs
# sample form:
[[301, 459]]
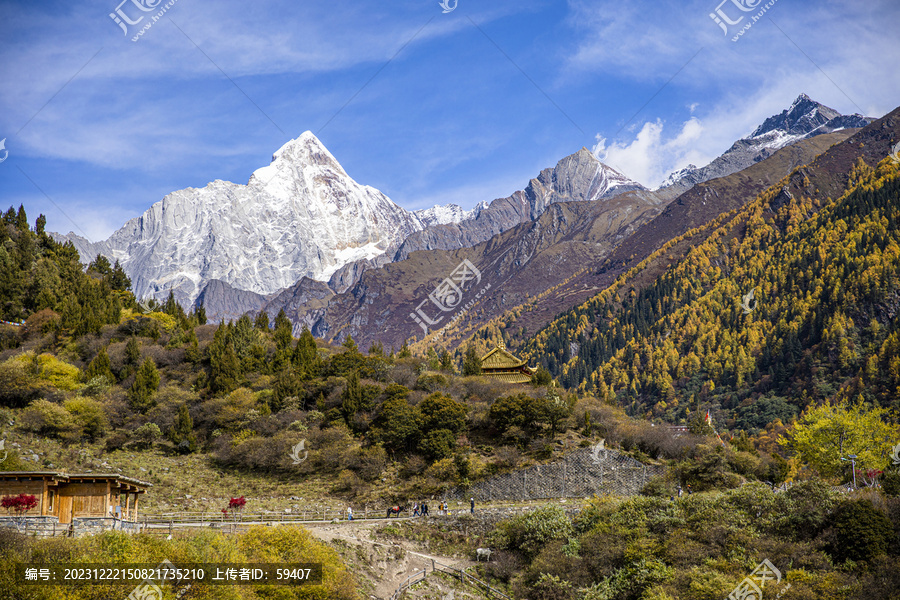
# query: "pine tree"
[[182, 432], [351, 397], [447, 362], [118, 280], [22, 220], [39, 225], [471, 362], [262, 321], [224, 366], [192, 347], [100, 367], [132, 352], [306, 355], [145, 385]]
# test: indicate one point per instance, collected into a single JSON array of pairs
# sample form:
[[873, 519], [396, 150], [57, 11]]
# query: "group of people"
[[443, 508]]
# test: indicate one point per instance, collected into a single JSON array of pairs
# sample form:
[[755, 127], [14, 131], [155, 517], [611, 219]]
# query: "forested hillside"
[[821, 324]]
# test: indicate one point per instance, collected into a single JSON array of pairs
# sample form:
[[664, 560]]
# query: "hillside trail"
[[385, 565]]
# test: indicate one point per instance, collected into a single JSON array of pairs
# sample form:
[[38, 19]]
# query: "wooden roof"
[[515, 377], [117, 479], [501, 358]]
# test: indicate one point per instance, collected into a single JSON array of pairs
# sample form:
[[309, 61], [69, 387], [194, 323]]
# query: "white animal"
[[483, 552]]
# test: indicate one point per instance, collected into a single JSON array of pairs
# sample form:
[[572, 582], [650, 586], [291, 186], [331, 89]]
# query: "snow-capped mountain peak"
[[804, 118]]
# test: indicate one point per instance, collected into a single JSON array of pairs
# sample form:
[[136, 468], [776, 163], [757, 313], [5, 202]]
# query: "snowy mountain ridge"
[[804, 118]]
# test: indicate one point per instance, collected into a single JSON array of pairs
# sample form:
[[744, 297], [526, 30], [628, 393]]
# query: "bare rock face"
[[222, 301]]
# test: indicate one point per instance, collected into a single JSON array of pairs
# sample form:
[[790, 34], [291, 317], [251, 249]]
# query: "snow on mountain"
[[450, 213], [301, 216], [805, 118]]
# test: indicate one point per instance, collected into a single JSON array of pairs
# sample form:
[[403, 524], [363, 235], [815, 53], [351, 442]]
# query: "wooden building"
[[501, 364], [79, 495]]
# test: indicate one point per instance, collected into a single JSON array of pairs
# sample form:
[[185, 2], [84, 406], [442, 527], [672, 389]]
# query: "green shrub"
[[530, 532], [658, 487], [17, 386], [46, 418], [431, 382], [890, 483], [438, 444], [146, 435], [89, 415], [57, 373], [859, 531]]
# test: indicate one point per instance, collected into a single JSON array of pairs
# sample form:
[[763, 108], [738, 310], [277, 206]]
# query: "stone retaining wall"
[[581, 474], [80, 526]]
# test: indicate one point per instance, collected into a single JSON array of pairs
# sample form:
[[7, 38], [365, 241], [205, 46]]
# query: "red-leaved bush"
[[21, 504]]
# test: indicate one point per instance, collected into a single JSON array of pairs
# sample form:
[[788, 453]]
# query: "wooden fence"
[[464, 577]]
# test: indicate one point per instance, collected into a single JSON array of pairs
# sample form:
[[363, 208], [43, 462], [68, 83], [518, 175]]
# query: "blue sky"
[[428, 107]]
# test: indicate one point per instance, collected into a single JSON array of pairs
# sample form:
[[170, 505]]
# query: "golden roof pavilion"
[[501, 364]]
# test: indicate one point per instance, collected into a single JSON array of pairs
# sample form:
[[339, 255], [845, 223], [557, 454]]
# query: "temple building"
[[68, 497], [501, 364]]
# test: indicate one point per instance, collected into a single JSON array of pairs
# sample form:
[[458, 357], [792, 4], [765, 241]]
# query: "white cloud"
[[651, 156]]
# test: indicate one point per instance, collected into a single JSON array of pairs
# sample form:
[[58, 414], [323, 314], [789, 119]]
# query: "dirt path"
[[384, 565]]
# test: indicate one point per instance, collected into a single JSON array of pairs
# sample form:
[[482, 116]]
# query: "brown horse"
[[395, 510]]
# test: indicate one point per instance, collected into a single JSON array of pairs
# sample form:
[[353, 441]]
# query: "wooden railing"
[[464, 578], [411, 580]]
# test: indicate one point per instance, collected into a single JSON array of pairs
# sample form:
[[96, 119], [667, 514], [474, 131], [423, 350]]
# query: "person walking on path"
[[424, 509], [349, 513], [472, 501], [415, 509]]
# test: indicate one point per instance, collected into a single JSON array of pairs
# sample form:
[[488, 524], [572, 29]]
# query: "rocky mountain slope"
[[580, 177], [805, 118]]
